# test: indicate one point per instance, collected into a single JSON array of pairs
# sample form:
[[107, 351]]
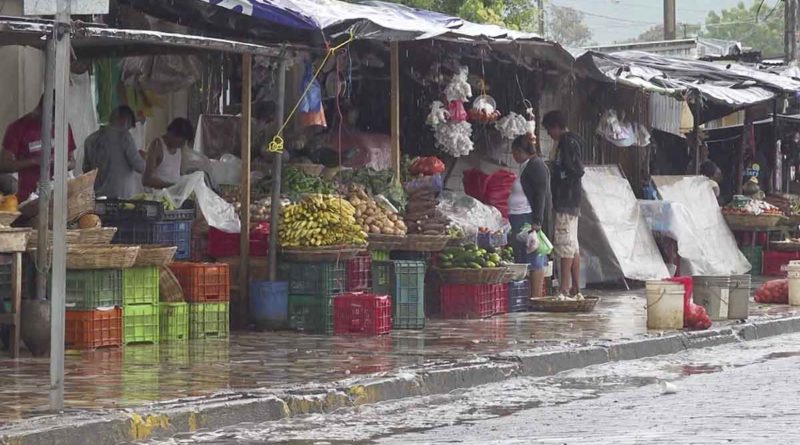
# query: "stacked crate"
[[93, 318], [140, 305], [404, 281], [519, 294], [468, 300], [207, 288], [312, 287]]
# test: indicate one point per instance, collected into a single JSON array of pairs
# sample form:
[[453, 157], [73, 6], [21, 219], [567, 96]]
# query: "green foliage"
[[513, 14], [566, 26], [763, 33]]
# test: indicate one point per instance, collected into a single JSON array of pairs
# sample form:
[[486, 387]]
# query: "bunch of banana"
[[320, 220]]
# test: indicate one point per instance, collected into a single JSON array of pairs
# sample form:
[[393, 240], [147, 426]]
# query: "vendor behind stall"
[[112, 151], [529, 204], [163, 168], [22, 151]]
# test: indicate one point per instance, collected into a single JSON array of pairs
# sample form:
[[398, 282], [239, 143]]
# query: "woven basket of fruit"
[[321, 254]]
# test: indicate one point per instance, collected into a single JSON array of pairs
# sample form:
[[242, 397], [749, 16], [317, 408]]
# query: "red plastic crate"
[[775, 262], [203, 282], [500, 295], [222, 244], [359, 273], [467, 300], [362, 313], [93, 329]]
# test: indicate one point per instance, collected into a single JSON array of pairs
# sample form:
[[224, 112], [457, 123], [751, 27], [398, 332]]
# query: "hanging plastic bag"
[[532, 242], [314, 118], [474, 182], [545, 246], [312, 101]]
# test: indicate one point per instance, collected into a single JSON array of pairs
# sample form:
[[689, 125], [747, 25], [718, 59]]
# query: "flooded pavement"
[[740, 393], [137, 375]]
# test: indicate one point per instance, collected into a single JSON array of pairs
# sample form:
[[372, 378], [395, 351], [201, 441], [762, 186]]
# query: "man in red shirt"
[[22, 151]]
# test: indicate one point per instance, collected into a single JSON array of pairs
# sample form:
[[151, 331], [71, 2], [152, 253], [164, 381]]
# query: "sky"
[[616, 20]]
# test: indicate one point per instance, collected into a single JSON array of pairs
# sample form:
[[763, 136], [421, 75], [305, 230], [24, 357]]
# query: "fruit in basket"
[[373, 217], [320, 220], [9, 203], [89, 221], [469, 256]]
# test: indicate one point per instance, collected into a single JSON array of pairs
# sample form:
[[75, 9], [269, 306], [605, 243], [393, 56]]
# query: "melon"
[[89, 222]]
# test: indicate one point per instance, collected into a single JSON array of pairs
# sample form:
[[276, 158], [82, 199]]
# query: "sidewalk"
[[133, 377]]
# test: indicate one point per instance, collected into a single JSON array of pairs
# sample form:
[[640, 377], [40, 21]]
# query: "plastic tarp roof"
[[615, 239], [704, 240], [732, 85], [387, 21]]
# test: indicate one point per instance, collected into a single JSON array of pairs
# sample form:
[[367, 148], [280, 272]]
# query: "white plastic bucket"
[[739, 297], [713, 293], [664, 305], [793, 272]]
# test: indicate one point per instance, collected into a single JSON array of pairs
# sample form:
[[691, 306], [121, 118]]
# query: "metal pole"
[[58, 283], [540, 11], [395, 107], [43, 226], [790, 31], [244, 234], [277, 166], [669, 20]]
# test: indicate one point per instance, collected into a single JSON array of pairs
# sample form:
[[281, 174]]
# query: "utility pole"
[[670, 22], [540, 11], [790, 31]]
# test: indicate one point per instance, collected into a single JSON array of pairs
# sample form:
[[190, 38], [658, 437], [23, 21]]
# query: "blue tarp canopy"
[[378, 20]]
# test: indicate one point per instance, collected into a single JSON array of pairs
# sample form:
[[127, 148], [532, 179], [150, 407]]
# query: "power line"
[[616, 19]]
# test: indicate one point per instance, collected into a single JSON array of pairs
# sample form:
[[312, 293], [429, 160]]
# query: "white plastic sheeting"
[[217, 212], [701, 223], [615, 238]]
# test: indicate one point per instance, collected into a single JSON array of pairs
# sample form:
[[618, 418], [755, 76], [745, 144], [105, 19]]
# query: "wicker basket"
[[169, 288], [93, 256], [553, 305], [321, 254], [517, 272], [752, 221], [101, 236], [791, 221], [424, 243], [486, 275], [80, 199], [14, 240], [785, 246], [155, 255], [385, 242], [8, 218]]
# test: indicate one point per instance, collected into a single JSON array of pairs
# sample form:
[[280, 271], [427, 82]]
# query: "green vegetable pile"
[[164, 200], [296, 183], [473, 257]]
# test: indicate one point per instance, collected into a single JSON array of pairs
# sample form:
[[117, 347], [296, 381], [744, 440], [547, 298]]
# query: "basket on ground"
[[554, 305]]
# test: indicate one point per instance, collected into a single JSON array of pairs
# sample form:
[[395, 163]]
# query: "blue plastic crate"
[[519, 294], [269, 303], [166, 233]]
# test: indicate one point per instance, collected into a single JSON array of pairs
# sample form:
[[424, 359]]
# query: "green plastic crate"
[[140, 324], [404, 281], [755, 255], [173, 321], [380, 255], [90, 289], [311, 314], [317, 279], [140, 286], [209, 320], [408, 299]]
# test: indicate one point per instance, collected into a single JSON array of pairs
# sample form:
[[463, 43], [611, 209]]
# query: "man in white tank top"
[[163, 167]]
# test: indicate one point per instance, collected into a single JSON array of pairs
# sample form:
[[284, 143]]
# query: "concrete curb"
[[223, 410]]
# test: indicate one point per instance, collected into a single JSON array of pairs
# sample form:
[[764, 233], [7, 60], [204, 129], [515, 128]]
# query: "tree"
[[757, 26], [513, 14], [565, 26]]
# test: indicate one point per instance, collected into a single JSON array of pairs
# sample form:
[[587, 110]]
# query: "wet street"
[[742, 393]]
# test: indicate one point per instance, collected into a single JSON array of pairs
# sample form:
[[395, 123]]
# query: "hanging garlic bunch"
[[454, 138]]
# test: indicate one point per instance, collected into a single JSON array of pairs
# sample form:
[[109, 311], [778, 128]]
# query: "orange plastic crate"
[[93, 329], [203, 282]]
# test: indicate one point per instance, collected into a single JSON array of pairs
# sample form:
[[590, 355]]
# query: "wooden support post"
[[277, 167], [395, 107], [244, 235]]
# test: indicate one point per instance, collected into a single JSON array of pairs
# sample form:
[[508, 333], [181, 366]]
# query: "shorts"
[[565, 243], [521, 255]]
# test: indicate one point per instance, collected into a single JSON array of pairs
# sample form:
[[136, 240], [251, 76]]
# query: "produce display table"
[[12, 243], [754, 231]]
